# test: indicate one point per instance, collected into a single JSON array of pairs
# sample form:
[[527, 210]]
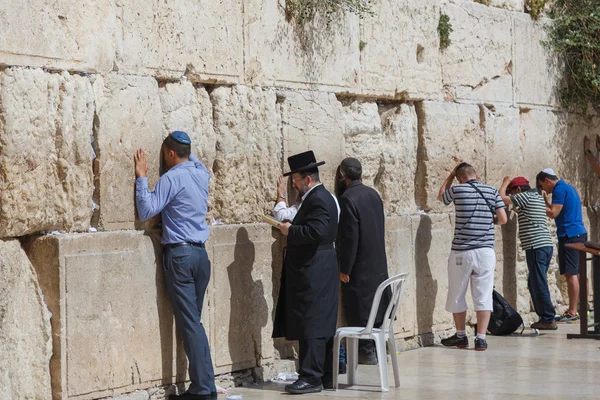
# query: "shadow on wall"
[[427, 287], [248, 314], [167, 322], [284, 348], [509, 261]]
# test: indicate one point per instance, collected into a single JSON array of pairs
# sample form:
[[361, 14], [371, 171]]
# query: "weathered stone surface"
[[188, 108], [247, 262], [537, 73], [313, 121], [113, 329], [248, 156], [448, 134], [137, 395], [283, 53], [401, 251], [25, 334], [363, 137], [433, 235], [478, 63], [503, 144], [537, 132], [128, 117], [68, 34], [386, 145], [167, 39], [396, 178], [46, 127], [400, 57]]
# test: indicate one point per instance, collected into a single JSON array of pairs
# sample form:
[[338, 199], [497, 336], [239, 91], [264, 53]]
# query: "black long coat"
[[308, 298], [361, 252]]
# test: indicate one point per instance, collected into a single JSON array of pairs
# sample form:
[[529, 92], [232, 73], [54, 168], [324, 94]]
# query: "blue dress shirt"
[[181, 196]]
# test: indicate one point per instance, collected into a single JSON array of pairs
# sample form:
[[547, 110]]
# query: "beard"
[[340, 187]]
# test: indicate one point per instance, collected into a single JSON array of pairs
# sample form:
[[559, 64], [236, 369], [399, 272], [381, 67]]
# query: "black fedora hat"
[[302, 162]]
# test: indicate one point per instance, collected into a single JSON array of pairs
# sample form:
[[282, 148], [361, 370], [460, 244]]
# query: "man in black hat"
[[308, 298], [181, 197], [361, 251]]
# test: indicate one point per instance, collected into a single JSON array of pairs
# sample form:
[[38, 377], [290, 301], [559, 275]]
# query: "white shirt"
[[281, 212]]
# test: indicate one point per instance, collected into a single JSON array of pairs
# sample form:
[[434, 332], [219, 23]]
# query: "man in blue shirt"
[[181, 196], [565, 209]]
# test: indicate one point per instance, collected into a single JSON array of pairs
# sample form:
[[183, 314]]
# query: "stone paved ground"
[[548, 366]]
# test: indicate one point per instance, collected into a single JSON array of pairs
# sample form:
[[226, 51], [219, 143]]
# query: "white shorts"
[[476, 266]]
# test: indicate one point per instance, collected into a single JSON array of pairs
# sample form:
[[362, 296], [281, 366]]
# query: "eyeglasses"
[[298, 177]]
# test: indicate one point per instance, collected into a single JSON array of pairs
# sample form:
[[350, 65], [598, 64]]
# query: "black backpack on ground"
[[504, 319]]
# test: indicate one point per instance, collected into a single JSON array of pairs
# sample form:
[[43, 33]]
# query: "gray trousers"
[[186, 271]]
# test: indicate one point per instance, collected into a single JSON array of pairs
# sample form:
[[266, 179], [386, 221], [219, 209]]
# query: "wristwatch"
[[282, 196]]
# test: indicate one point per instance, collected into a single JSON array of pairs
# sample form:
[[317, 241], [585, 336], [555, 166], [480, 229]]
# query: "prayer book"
[[271, 221]]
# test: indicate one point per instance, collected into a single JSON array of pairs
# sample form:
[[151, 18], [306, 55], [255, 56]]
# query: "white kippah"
[[549, 171]]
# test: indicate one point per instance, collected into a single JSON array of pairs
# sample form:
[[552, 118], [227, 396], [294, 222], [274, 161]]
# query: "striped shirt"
[[533, 223], [474, 227]]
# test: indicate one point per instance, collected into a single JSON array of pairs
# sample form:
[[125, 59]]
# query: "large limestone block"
[[248, 157], [478, 63], [313, 121], [538, 131], [385, 140], [401, 49], [167, 39], [448, 134], [128, 117], [69, 34], [46, 127], [400, 249], [113, 328], [25, 334], [283, 53], [188, 108], [503, 144], [247, 262], [433, 235], [396, 179], [363, 137], [537, 72]]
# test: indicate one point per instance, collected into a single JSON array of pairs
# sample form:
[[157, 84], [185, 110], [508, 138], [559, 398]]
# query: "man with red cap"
[[535, 239]]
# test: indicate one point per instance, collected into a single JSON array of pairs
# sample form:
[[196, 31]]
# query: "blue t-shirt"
[[569, 222]]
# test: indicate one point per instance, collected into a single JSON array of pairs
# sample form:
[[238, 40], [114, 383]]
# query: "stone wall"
[[83, 87]]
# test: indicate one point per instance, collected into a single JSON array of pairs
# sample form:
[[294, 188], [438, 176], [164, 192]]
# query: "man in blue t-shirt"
[[565, 209]]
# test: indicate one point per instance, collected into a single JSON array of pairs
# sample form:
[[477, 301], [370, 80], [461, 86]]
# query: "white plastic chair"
[[380, 336]]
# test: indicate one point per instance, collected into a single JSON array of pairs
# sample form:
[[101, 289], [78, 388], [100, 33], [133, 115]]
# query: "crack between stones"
[[420, 182]]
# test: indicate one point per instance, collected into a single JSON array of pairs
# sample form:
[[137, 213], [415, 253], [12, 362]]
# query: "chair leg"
[[336, 361], [352, 359], [380, 345], [392, 344]]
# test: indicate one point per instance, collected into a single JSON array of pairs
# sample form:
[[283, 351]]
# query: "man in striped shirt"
[[535, 239], [472, 259]]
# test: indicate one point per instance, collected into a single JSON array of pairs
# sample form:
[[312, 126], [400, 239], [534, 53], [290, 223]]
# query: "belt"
[[172, 245]]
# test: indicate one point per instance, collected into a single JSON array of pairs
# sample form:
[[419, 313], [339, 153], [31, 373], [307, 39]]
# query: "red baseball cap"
[[518, 181]]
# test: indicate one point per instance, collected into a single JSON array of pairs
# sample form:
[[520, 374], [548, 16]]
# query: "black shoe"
[[189, 396], [367, 357], [343, 368], [302, 387], [480, 344], [455, 341]]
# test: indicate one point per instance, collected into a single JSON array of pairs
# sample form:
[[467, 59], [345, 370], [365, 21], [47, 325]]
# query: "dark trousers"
[[538, 262], [316, 359], [186, 271]]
